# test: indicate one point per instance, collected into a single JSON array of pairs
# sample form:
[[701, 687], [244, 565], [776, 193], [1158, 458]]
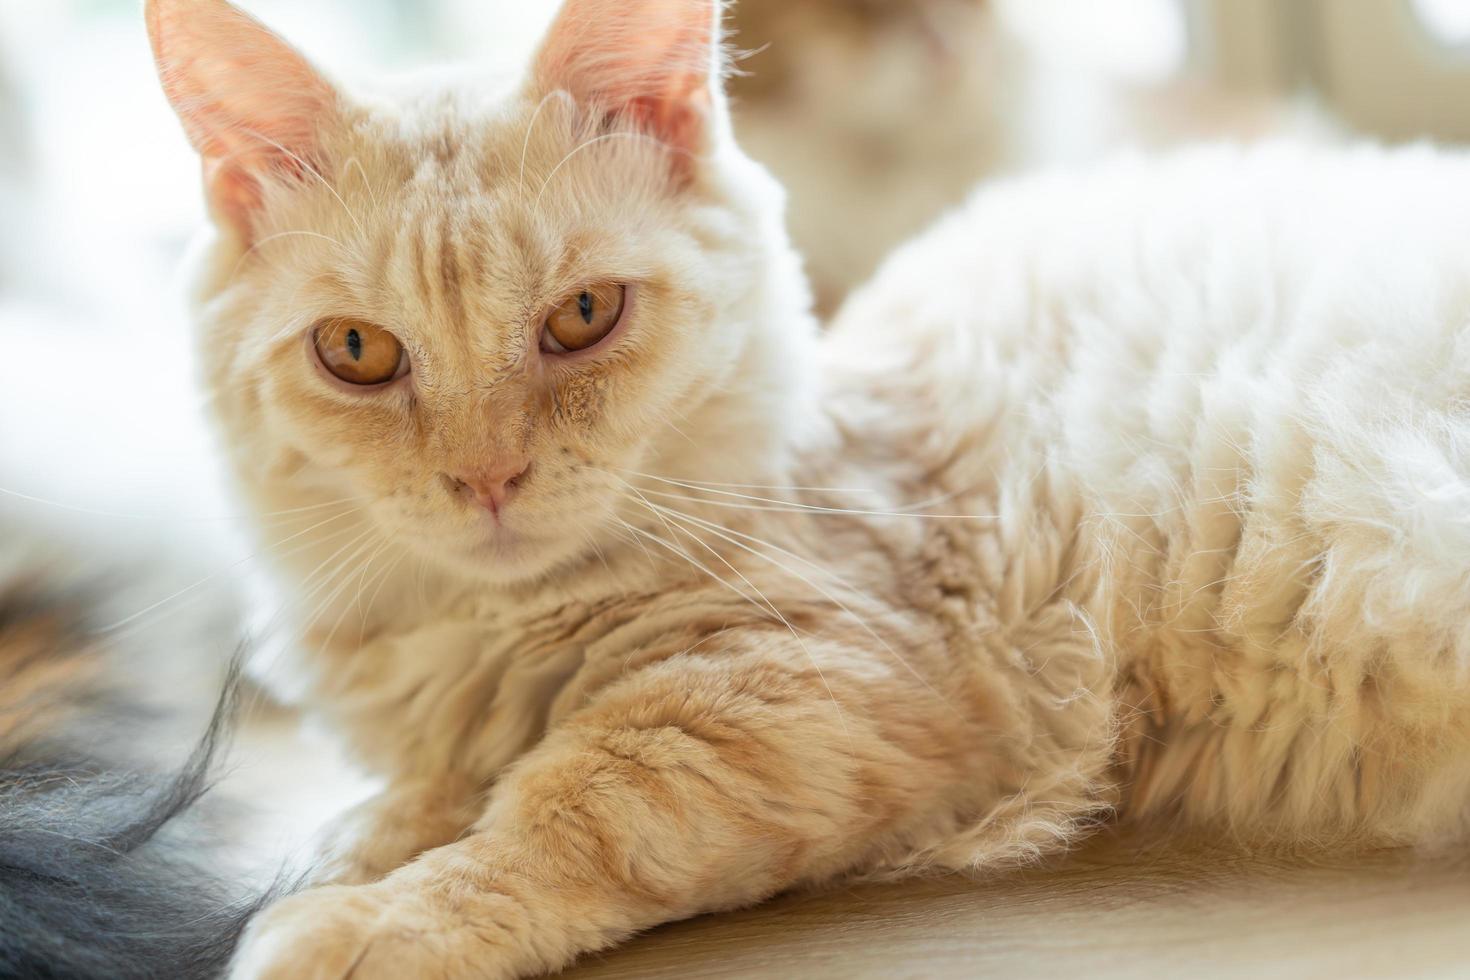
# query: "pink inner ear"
[[250, 104], [651, 59]]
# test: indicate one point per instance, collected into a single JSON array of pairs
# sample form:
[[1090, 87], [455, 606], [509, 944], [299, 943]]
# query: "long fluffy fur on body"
[[101, 874], [1230, 386]]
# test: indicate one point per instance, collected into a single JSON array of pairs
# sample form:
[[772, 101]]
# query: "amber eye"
[[358, 352], [584, 318]]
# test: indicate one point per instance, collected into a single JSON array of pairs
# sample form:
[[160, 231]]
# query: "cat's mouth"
[[500, 550], [505, 557], [496, 542]]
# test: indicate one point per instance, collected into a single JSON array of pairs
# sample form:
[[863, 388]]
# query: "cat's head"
[[477, 308]]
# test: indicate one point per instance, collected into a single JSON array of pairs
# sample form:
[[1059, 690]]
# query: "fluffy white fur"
[[1137, 493], [1234, 383]]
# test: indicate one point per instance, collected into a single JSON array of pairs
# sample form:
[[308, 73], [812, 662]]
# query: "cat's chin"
[[507, 558]]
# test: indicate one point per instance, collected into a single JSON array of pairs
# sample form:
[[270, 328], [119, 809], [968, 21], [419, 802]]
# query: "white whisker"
[[373, 600], [727, 535], [297, 159], [768, 604], [526, 142], [362, 573], [367, 184], [362, 543], [171, 519], [788, 508], [779, 505], [216, 574], [300, 596], [536, 205], [696, 563]]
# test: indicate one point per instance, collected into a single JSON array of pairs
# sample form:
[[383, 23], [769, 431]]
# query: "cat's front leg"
[[700, 783], [388, 830]]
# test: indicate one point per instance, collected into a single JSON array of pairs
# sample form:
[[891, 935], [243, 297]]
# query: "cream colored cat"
[[1139, 494]]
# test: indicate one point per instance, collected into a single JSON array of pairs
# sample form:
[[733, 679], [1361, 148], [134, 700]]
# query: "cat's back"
[[1240, 379], [1134, 317], [1209, 326], [1243, 243]]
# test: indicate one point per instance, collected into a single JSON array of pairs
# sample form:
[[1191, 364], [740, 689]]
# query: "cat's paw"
[[367, 933]]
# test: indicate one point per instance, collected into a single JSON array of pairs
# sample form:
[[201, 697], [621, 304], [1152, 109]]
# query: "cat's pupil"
[[354, 344], [584, 303]]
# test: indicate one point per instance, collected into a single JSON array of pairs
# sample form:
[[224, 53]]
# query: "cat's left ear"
[[657, 63], [251, 105]]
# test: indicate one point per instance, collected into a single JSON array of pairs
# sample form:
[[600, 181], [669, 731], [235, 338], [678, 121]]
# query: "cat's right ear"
[[251, 105], [656, 63]]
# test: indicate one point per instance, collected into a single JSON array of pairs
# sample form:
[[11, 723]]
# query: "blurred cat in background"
[[878, 115]]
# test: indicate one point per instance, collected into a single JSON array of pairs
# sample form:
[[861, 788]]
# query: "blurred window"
[[1131, 40], [1393, 69], [1447, 21]]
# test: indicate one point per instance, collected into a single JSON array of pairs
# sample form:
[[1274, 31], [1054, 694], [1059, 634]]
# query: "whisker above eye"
[[366, 183], [292, 233], [526, 142], [536, 204], [304, 165]]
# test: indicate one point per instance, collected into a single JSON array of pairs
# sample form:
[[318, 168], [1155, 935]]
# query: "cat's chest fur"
[[469, 685]]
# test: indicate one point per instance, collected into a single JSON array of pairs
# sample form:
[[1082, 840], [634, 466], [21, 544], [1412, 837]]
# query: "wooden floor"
[[1119, 907], [1112, 910]]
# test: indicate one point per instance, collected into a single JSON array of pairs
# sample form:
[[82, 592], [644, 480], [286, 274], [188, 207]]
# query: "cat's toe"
[[367, 933], [317, 935]]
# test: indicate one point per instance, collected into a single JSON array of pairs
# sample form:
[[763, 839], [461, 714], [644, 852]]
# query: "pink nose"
[[493, 486]]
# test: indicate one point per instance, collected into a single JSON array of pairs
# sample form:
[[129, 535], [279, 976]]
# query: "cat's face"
[[478, 312]]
